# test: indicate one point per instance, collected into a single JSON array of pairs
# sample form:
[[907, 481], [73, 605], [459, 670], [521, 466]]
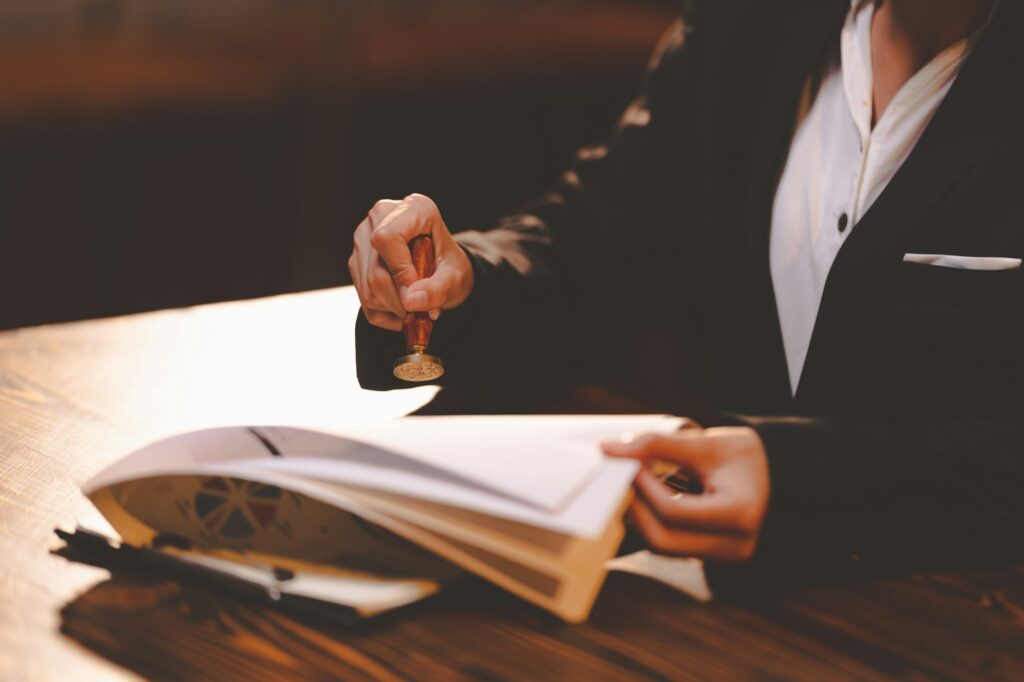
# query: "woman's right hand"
[[382, 269]]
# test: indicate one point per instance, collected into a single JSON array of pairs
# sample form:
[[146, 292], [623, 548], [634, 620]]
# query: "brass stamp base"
[[418, 367]]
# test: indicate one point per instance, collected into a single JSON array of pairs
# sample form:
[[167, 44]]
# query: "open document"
[[375, 518]]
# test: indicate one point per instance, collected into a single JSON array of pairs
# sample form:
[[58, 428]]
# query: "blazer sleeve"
[[855, 496], [556, 283]]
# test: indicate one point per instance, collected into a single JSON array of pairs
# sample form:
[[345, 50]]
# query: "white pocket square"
[[963, 262]]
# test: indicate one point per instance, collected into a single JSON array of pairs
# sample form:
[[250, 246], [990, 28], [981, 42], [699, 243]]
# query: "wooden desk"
[[75, 397]]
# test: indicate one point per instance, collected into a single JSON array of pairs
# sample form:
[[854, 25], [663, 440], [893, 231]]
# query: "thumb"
[[689, 450], [428, 293]]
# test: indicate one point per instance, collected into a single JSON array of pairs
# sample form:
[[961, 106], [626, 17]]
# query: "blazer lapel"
[[983, 105], [806, 29]]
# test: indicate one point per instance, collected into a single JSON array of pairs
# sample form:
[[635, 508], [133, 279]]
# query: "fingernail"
[[435, 313], [416, 300]]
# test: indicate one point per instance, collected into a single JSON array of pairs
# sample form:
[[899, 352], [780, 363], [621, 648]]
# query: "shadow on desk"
[[962, 625], [173, 630]]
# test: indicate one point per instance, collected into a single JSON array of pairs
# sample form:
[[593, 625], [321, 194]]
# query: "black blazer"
[[904, 439]]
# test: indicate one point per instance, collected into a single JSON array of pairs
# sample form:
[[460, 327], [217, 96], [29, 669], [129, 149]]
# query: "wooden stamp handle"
[[422, 248], [417, 326]]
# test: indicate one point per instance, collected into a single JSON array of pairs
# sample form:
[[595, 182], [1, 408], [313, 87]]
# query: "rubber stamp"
[[418, 364]]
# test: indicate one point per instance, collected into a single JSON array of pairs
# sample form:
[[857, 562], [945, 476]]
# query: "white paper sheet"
[[541, 461], [682, 574], [585, 515]]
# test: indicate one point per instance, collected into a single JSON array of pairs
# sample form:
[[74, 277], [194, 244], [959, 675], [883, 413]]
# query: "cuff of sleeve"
[[797, 540], [815, 480], [376, 350]]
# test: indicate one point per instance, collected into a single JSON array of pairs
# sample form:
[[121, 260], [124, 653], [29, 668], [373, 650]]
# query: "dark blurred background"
[[158, 153]]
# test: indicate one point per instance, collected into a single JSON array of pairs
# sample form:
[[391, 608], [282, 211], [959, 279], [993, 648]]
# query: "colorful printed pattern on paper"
[[234, 508]]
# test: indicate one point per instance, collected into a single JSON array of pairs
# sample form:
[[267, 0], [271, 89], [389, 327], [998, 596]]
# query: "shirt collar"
[[855, 50]]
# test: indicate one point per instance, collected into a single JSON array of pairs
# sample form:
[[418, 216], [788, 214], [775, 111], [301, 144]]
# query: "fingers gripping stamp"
[[417, 364]]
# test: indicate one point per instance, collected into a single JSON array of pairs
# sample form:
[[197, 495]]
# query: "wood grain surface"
[[75, 397]]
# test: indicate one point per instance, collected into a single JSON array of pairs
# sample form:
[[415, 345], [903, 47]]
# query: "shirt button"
[[843, 220]]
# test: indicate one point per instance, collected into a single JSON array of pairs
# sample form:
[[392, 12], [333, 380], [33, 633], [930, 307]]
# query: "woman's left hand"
[[724, 521]]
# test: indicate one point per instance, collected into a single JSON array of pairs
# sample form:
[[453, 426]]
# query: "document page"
[[540, 461]]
